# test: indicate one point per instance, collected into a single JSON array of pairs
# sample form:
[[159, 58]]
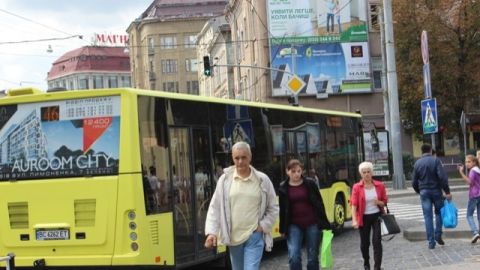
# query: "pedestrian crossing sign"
[[239, 131], [429, 116]]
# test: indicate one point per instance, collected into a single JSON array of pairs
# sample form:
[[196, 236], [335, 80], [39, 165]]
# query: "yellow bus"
[[123, 177]]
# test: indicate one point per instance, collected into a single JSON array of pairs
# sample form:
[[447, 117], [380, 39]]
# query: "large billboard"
[[57, 139], [324, 42]]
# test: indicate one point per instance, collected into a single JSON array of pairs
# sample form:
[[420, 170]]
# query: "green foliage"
[[408, 162], [453, 40]]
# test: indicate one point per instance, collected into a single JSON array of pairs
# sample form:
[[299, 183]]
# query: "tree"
[[454, 44]]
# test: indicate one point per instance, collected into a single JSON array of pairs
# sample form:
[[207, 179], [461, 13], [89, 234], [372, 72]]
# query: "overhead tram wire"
[[32, 21], [39, 40], [40, 24], [29, 55]]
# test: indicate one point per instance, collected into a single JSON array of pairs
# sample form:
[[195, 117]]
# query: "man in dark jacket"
[[429, 179]]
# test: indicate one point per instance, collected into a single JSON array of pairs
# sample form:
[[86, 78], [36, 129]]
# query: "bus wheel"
[[338, 214]]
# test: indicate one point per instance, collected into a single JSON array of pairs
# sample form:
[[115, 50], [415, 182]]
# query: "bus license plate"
[[57, 234]]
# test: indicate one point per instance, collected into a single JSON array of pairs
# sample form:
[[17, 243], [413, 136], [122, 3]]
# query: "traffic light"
[[207, 69], [293, 100]]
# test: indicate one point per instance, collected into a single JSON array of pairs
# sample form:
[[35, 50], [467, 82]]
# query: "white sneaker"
[[475, 238]]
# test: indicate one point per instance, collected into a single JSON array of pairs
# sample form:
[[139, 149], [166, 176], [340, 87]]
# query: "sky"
[[60, 22]]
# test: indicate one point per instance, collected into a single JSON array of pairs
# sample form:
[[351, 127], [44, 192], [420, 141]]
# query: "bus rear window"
[[58, 139]]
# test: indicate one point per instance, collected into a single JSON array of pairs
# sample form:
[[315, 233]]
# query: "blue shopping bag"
[[449, 214]]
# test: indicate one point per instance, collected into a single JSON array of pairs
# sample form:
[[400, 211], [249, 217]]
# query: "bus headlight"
[[133, 236], [134, 246], [132, 225], [132, 215]]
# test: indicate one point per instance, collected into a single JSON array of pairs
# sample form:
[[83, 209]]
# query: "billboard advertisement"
[[57, 139], [325, 43]]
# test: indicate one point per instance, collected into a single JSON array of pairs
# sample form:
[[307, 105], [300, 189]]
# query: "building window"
[[245, 88], [375, 10], [70, 85], [377, 79], [376, 75], [244, 32], [170, 87], [112, 82], [238, 42], [192, 87], [151, 46], [168, 42], [125, 81], [83, 82], [189, 41], [253, 21], [218, 77], [97, 82], [169, 66], [191, 65]]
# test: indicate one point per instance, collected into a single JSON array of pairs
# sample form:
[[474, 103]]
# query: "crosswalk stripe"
[[414, 211]]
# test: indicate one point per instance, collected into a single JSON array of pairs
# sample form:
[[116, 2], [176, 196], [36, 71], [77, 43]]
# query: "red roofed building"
[[91, 67]]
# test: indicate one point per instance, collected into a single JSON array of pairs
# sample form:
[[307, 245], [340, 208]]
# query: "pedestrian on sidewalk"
[[473, 179], [242, 211], [302, 216], [368, 199], [428, 180]]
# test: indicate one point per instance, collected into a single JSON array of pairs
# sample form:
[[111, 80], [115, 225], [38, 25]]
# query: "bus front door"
[[191, 172]]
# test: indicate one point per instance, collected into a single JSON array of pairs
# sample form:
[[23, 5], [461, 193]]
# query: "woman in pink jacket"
[[368, 199]]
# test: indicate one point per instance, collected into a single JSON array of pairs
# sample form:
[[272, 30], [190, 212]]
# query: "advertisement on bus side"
[[57, 139]]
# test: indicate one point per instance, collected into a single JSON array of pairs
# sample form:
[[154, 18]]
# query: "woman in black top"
[[302, 215]]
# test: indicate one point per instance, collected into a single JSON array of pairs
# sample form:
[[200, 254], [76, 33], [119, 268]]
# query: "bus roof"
[[27, 94]]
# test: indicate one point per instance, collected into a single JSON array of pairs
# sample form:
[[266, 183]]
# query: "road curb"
[[409, 191], [419, 234]]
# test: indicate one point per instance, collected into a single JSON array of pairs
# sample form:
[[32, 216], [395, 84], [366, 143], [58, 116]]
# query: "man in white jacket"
[[242, 211]]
